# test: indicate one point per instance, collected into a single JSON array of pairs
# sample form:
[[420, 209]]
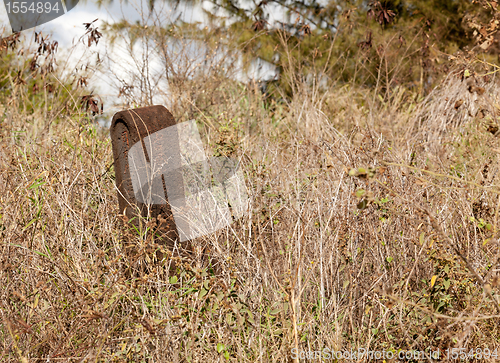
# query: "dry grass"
[[373, 224]]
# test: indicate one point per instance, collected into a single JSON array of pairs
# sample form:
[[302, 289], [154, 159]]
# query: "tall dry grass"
[[373, 224]]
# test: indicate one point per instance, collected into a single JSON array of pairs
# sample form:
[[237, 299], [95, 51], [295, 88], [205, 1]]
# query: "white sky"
[[68, 28]]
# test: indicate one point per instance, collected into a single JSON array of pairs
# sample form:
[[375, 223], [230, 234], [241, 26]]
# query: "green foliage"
[[372, 43]]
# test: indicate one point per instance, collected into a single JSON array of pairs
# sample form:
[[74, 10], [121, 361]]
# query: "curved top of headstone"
[[142, 122]]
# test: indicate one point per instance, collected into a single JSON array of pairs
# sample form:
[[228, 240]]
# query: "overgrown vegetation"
[[374, 217]]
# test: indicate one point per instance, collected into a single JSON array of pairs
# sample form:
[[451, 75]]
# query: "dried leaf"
[[485, 45]]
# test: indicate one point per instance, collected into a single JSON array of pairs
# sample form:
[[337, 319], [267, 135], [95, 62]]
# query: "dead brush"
[[361, 234]]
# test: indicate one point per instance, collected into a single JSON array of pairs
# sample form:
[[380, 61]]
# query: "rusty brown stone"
[[127, 128]]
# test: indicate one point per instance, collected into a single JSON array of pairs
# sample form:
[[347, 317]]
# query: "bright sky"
[[70, 25], [69, 28]]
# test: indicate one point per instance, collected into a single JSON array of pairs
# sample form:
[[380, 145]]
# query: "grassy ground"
[[373, 224]]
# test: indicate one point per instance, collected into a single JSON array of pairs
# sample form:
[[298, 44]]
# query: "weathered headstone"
[[130, 128], [162, 171]]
